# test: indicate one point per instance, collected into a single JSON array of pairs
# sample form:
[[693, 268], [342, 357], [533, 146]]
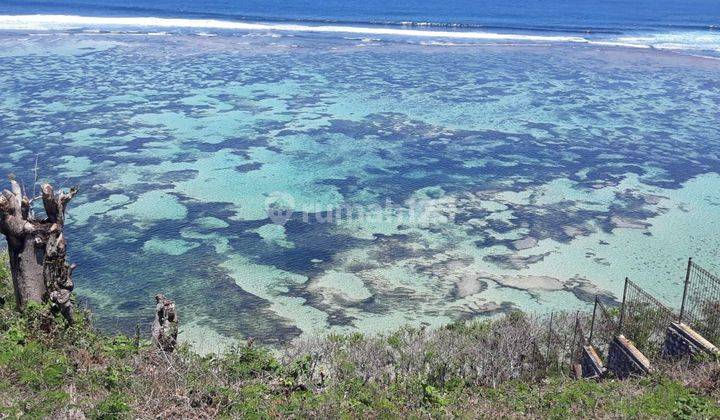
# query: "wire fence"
[[700, 307], [562, 341], [644, 319], [603, 327], [579, 340], [641, 317]]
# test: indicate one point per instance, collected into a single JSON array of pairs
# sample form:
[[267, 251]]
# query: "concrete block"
[[592, 365], [624, 359], [681, 340]]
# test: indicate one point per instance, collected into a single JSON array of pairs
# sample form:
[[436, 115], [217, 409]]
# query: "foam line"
[[619, 44], [59, 22]]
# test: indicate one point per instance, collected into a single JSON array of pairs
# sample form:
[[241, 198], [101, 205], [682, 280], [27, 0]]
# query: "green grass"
[[50, 370]]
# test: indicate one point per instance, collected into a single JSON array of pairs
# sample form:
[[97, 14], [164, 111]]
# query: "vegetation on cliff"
[[50, 369]]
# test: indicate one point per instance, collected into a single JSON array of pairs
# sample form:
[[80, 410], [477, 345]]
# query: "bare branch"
[[66, 197], [37, 156], [34, 198]]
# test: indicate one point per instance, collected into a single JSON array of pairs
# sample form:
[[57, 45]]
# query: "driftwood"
[[37, 247], [165, 325]]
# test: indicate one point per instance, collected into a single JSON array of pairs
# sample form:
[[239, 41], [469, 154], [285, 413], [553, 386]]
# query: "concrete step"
[[682, 340], [624, 359]]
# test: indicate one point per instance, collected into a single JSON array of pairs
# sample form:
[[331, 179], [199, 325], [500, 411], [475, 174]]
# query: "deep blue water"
[[613, 15]]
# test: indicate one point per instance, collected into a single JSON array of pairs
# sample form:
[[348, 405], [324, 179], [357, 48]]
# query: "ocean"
[[548, 15], [663, 24], [284, 169]]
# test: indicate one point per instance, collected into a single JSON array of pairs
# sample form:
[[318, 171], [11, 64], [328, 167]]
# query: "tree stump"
[[165, 325], [37, 247]]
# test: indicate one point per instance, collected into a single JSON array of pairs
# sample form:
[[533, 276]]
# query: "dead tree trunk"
[[165, 325], [37, 247]]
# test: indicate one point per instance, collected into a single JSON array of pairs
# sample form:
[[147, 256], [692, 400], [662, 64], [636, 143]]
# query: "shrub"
[[509, 366], [112, 407]]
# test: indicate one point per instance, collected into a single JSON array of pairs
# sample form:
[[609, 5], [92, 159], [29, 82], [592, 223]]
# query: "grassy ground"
[[464, 370]]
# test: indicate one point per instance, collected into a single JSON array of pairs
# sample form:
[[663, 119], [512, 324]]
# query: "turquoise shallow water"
[[480, 178]]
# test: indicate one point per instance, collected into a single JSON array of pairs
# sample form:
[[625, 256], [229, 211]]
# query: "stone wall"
[[624, 359], [681, 340], [592, 365]]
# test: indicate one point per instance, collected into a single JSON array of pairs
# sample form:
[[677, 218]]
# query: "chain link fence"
[[603, 327], [579, 340], [563, 340], [700, 307], [644, 319]]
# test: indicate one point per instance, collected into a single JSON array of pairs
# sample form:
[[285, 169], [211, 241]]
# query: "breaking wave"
[[64, 22], [696, 39]]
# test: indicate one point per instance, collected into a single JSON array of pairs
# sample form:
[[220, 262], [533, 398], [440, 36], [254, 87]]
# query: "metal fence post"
[[573, 347], [592, 323], [549, 340], [622, 308], [687, 283]]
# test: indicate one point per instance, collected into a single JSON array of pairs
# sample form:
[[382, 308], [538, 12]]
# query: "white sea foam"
[[618, 44], [443, 44], [706, 57], [688, 40], [60, 22]]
